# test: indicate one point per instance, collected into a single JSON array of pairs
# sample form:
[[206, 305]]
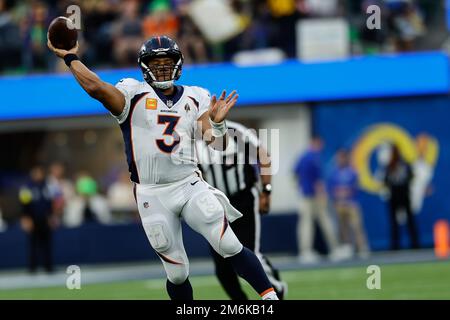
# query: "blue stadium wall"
[[362, 127], [406, 96], [369, 77], [93, 243]]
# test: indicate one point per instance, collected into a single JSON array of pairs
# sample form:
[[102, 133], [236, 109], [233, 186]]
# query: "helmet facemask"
[[161, 76]]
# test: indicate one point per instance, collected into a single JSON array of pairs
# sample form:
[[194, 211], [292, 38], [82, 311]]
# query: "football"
[[62, 33]]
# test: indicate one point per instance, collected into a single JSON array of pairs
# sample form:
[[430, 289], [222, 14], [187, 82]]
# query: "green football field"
[[399, 281]]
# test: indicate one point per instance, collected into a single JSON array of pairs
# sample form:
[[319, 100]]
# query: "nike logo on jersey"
[[194, 182]]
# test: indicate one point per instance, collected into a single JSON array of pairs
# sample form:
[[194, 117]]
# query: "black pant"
[[396, 204], [40, 246], [245, 230]]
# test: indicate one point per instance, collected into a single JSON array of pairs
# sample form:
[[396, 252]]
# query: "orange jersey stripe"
[[266, 292], [167, 259]]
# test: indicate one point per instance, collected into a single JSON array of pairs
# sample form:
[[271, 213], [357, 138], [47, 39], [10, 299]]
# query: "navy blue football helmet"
[[160, 47]]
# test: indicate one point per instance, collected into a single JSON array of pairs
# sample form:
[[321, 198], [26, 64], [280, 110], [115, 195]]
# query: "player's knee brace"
[[228, 244], [223, 239], [176, 274]]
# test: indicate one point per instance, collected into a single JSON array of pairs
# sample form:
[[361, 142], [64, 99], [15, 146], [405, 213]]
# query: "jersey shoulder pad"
[[200, 92], [128, 82]]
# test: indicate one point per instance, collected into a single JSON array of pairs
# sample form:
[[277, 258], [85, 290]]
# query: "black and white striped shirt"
[[236, 168]]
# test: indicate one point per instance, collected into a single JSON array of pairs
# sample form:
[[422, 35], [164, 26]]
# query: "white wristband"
[[218, 129]]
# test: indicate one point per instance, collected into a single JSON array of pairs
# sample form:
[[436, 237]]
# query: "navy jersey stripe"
[[225, 225], [127, 138], [195, 102]]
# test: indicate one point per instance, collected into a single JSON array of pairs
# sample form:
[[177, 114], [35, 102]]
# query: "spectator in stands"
[[88, 205], [284, 15], [258, 32], [397, 180], [38, 218], [63, 187], [239, 42], [113, 30], [121, 199], [10, 40], [343, 184], [36, 55], [423, 171], [314, 206], [127, 33], [192, 43], [160, 20], [98, 18], [406, 23]]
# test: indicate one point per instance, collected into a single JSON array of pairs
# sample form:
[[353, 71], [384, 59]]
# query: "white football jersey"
[[159, 131]]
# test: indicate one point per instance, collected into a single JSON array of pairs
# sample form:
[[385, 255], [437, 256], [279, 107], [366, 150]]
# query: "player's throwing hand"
[[218, 109], [61, 52]]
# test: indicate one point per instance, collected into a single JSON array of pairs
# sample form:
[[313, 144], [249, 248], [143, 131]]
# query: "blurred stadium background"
[[305, 67]]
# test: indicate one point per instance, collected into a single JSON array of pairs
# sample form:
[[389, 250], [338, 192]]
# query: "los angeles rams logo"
[[423, 148]]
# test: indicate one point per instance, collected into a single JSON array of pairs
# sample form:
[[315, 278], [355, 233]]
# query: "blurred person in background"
[[397, 180], [10, 39], [88, 205], [98, 18], [241, 172], [192, 42], [240, 41], [34, 29], [314, 207], [284, 15], [38, 218], [257, 36], [62, 187], [115, 27], [127, 33], [343, 184], [423, 172], [121, 199], [160, 20], [406, 22]]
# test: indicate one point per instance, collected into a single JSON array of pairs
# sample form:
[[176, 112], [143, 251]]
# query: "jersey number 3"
[[170, 122]]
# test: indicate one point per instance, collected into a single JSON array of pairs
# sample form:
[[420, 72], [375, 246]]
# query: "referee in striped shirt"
[[237, 172]]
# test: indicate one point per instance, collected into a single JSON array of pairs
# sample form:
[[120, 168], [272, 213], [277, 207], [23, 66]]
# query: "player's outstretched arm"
[[107, 94], [213, 120]]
